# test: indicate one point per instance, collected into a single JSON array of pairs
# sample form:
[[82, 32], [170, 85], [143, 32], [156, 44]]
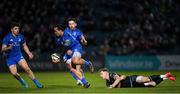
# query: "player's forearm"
[[26, 49], [83, 40], [4, 49], [119, 85], [116, 83]]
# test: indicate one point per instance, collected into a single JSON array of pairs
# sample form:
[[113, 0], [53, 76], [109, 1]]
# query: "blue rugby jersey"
[[76, 33], [16, 42]]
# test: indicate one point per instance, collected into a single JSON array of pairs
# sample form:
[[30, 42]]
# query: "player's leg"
[[76, 59], [159, 78], [154, 80], [67, 60], [29, 72], [169, 76], [142, 79], [78, 81], [78, 68], [75, 67], [91, 67], [73, 71], [26, 68], [77, 74], [148, 81], [150, 84], [82, 79], [13, 70]]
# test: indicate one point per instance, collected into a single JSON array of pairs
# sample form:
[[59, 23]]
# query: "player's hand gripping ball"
[[55, 58]]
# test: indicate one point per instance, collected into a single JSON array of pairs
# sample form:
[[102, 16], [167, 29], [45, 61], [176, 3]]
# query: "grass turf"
[[62, 82]]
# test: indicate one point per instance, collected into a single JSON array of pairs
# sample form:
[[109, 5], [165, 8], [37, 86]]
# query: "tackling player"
[[12, 44], [114, 80]]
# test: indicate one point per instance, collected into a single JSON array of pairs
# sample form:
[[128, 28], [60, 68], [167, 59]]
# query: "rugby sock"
[[83, 80], [164, 77], [156, 78], [86, 62], [38, 85], [82, 74], [74, 76], [21, 80]]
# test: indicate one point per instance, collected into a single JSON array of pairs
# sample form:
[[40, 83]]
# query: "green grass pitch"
[[62, 82]]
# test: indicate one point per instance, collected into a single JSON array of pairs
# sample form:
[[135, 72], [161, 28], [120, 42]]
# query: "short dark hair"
[[103, 69], [61, 27], [72, 19], [13, 24]]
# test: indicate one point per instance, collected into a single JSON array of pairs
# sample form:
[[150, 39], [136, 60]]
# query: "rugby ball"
[[55, 58]]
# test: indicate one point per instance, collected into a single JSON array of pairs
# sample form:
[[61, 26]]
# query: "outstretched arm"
[[26, 49], [117, 81], [83, 40]]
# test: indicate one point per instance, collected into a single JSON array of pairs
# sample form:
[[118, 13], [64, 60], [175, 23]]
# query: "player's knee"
[[69, 52], [78, 67], [75, 60], [72, 70], [79, 70], [27, 69]]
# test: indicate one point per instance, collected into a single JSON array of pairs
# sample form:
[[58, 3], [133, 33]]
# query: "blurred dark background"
[[112, 27]]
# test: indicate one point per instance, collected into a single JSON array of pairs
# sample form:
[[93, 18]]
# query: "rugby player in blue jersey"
[[11, 46], [67, 40], [78, 35]]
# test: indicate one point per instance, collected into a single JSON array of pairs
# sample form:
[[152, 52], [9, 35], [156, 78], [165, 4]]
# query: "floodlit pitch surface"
[[62, 82]]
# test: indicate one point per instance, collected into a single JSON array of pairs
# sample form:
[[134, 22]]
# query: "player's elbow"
[[123, 77]]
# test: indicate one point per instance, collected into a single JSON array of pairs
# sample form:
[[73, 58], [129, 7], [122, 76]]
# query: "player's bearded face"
[[72, 25], [15, 30]]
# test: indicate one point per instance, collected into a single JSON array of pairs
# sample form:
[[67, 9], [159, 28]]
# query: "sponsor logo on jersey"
[[67, 42]]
